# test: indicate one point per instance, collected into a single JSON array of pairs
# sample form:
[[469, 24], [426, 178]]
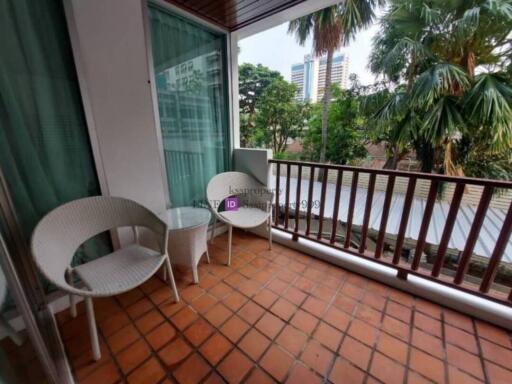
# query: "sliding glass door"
[[192, 88], [45, 161]]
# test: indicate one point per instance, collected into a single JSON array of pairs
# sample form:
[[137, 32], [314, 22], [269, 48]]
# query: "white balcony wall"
[[109, 46]]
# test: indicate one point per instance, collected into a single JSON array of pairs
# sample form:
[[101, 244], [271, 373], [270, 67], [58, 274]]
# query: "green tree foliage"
[[279, 117], [346, 130], [253, 80], [451, 97], [331, 28]]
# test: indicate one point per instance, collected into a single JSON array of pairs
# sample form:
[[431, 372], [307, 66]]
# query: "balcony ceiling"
[[234, 14]]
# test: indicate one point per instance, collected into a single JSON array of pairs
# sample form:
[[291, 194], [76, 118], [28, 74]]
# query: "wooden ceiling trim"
[[184, 7], [233, 7], [234, 14], [252, 10], [268, 13]]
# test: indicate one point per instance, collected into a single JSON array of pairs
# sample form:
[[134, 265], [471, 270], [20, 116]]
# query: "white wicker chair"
[[255, 203], [63, 230]]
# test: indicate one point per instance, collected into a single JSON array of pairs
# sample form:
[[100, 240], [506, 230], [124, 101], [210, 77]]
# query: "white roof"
[[486, 240]]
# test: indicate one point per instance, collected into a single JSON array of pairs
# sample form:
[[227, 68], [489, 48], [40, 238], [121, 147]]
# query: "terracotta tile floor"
[[282, 316]]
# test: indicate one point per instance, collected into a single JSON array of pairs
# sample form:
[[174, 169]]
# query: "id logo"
[[232, 204]]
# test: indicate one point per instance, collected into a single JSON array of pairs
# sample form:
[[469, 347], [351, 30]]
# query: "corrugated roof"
[[486, 240]]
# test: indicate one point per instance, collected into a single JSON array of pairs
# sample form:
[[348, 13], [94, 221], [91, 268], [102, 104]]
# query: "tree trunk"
[[397, 156], [325, 109], [449, 166], [425, 153], [468, 62], [392, 162]]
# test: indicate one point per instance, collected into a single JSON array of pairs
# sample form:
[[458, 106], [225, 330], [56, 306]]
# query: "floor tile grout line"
[[273, 341], [309, 293], [287, 322], [445, 354], [113, 355], [374, 347], [153, 352], [480, 352], [235, 345], [345, 334], [181, 334], [147, 295]]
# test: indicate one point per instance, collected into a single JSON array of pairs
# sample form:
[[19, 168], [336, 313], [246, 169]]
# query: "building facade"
[[309, 76]]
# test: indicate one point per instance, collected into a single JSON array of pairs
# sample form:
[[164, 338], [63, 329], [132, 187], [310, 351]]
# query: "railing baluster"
[[287, 197], [405, 220], [448, 228], [278, 176], [367, 212], [497, 254], [483, 205], [379, 248], [328, 191], [351, 205], [322, 203], [297, 198], [336, 209], [425, 224], [310, 200]]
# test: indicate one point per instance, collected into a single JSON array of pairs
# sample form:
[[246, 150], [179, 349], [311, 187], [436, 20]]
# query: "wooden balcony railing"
[[421, 240]]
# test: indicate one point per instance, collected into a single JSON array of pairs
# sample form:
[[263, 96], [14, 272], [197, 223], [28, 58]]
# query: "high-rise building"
[[309, 76]]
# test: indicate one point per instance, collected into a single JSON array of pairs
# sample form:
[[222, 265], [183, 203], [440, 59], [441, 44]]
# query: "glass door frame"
[[227, 70], [27, 291]]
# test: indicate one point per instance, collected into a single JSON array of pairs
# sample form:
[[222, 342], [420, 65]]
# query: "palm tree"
[[331, 28], [448, 60]]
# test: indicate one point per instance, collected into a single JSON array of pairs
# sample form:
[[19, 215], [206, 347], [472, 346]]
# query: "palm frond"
[[355, 15], [440, 80], [406, 128], [302, 28], [430, 15], [406, 17], [394, 107], [327, 30], [405, 50], [443, 120], [333, 26], [489, 105], [500, 7], [467, 25]]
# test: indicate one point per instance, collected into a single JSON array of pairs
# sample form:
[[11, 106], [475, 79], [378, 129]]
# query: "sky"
[[278, 50]]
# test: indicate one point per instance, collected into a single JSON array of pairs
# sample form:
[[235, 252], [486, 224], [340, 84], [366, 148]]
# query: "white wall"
[[109, 46], [254, 162]]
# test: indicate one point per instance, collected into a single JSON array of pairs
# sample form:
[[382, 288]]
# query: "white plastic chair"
[[255, 206], [63, 230]]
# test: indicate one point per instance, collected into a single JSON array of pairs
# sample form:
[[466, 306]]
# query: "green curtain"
[[45, 153], [191, 83]]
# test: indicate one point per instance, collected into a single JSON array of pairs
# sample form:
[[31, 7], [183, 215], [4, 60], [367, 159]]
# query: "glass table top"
[[186, 217]]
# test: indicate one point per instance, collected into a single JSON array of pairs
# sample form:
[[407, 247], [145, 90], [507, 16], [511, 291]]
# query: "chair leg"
[[96, 354], [171, 279], [269, 234], [72, 305], [195, 275], [230, 238], [72, 298], [165, 273], [213, 229], [207, 256]]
